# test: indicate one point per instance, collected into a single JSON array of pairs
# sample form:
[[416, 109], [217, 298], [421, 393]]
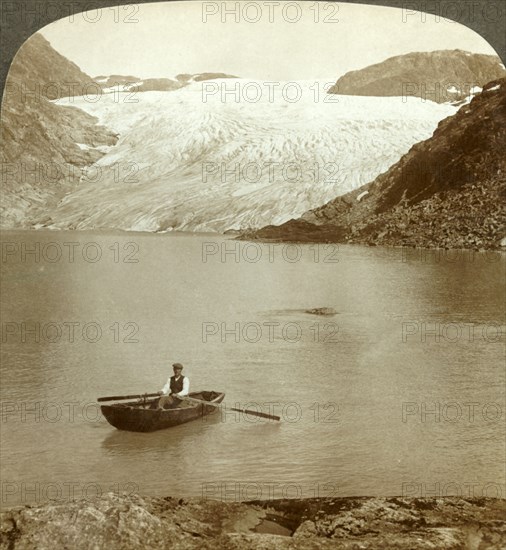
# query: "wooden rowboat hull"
[[137, 416]]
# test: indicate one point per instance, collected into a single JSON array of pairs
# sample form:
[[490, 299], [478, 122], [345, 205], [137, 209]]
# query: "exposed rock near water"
[[447, 191], [131, 522], [322, 311]]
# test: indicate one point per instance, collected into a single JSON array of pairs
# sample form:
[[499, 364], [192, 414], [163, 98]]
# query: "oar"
[[119, 397], [220, 406]]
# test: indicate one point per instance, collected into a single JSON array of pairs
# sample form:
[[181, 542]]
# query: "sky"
[[260, 40]]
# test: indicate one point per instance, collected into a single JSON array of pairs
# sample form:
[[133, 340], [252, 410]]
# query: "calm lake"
[[402, 391]]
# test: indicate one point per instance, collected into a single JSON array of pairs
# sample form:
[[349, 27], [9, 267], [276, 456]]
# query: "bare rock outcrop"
[[131, 522]]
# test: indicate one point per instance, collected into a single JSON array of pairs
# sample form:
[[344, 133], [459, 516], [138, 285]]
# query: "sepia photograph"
[[253, 275]]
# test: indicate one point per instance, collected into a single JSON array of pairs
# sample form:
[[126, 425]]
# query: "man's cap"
[[178, 366]]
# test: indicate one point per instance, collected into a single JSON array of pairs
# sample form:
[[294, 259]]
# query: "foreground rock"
[[126, 522]]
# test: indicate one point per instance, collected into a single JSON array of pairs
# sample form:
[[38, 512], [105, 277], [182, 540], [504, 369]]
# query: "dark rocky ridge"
[[200, 77], [431, 75], [448, 191], [131, 522], [135, 84]]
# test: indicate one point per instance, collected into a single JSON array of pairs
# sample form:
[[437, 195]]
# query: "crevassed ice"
[[183, 163]]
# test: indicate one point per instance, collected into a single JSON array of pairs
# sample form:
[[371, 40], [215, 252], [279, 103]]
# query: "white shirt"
[[184, 392]]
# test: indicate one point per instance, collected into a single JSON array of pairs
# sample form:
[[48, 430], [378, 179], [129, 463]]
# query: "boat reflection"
[[119, 442]]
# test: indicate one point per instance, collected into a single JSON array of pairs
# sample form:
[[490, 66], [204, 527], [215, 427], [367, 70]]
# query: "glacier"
[[213, 157]]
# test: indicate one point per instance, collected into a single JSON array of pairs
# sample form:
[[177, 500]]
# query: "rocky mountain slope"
[[131, 522], [50, 149], [42, 69], [449, 190], [45, 146], [172, 159], [440, 76]]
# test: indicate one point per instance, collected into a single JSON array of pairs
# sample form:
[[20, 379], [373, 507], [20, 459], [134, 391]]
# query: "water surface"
[[355, 391]]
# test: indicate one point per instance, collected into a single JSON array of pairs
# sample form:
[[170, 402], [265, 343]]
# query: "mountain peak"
[[441, 76], [38, 64]]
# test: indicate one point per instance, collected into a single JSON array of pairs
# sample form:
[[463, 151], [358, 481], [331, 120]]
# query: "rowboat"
[[143, 416]]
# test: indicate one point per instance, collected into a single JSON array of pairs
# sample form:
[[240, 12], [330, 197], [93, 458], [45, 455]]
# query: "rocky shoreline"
[[473, 217], [132, 521], [448, 191]]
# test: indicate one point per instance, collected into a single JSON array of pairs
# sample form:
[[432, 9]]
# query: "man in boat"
[[177, 386]]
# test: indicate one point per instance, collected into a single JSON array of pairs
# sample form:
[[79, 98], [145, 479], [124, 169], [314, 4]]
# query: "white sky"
[[164, 39]]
